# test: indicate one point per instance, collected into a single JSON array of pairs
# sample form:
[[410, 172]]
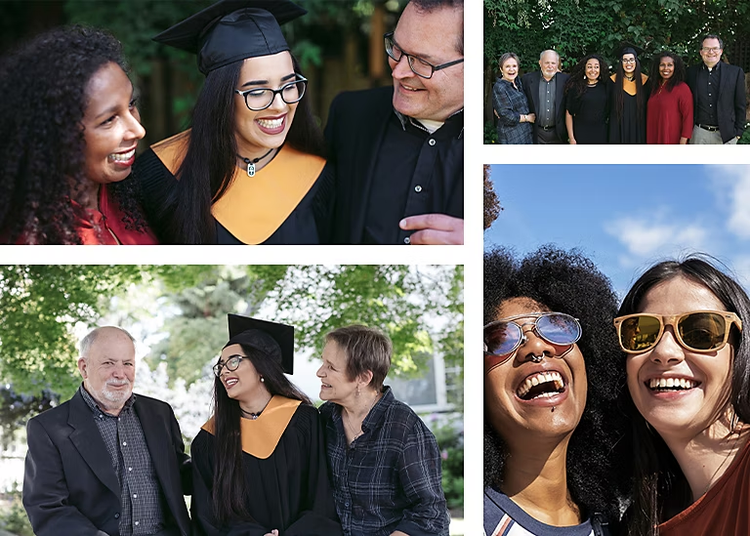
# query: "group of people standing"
[[704, 104], [255, 167], [109, 462], [607, 421]]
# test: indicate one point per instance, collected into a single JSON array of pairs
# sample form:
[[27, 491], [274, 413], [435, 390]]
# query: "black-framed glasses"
[[232, 362], [260, 98], [503, 337], [417, 65], [697, 331]]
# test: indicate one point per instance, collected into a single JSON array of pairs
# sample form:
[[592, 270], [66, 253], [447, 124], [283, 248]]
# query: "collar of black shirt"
[[453, 126]]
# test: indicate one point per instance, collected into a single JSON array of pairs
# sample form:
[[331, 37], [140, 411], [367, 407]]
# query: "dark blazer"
[[531, 88], [355, 131], [732, 106], [70, 487]]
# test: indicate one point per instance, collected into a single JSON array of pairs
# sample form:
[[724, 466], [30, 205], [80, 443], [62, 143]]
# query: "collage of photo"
[[315, 382]]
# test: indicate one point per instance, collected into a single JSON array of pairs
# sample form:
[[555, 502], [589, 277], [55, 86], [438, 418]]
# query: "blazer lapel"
[[87, 439], [154, 429]]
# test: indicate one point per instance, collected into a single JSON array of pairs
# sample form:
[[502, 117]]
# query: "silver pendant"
[[251, 169]]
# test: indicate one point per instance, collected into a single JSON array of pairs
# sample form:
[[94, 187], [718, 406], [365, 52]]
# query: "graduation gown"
[[279, 205], [284, 461], [631, 127]]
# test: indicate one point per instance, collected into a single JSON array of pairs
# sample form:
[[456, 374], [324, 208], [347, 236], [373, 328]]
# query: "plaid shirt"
[[389, 478], [509, 103], [140, 495]]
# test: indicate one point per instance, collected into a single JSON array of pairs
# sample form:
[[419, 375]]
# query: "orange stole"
[[629, 85], [253, 208], [260, 436]]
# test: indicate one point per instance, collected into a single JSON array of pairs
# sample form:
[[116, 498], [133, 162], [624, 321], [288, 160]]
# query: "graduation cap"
[[629, 48], [272, 338], [232, 30]]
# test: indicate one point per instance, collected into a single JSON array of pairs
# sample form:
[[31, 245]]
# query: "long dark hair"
[[657, 473], [677, 77], [211, 158], [576, 84], [42, 104], [568, 282], [230, 489], [620, 91]]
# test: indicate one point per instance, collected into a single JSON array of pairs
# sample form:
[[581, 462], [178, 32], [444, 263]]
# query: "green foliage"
[[16, 409], [451, 443], [39, 305], [13, 517], [490, 133], [745, 138]]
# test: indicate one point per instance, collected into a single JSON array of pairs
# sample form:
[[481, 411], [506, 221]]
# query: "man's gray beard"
[[116, 397]]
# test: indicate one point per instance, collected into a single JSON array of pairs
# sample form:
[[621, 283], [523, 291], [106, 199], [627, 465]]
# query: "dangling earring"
[[357, 394], [262, 379]]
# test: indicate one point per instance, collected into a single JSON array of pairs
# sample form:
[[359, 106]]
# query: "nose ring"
[[537, 358]]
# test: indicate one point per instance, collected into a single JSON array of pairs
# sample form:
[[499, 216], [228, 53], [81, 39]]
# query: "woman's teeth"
[[121, 157], [671, 383], [270, 123]]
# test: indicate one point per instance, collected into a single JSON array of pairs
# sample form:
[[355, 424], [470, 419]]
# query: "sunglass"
[[697, 331], [505, 336], [232, 363]]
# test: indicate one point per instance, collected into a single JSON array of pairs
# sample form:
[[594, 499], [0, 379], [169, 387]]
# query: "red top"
[[725, 508], [670, 115], [104, 226]]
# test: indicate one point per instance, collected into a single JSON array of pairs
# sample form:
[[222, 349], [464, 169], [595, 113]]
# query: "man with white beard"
[[107, 461]]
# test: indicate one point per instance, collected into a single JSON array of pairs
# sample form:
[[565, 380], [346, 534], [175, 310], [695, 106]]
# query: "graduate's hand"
[[434, 229], [274, 532]]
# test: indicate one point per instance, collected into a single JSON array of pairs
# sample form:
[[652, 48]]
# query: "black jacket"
[[530, 83], [70, 487], [732, 103]]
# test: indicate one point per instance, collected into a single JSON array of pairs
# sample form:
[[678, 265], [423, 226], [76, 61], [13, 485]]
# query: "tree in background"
[[492, 206], [421, 309]]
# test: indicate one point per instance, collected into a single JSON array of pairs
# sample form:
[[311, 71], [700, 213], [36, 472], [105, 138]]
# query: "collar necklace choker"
[[630, 77], [251, 168]]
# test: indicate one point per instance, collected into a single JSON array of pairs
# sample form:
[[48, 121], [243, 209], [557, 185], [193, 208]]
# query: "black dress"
[[590, 112], [289, 490], [630, 127]]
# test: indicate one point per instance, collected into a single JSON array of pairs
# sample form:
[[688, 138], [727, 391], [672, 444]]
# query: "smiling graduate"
[[260, 462], [247, 172]]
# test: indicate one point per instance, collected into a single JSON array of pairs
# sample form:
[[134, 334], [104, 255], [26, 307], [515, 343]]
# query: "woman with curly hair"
[[670, 106], [683, 327], [627, 118], [247, 172], [587, 95], [69, 132], [550, 417]]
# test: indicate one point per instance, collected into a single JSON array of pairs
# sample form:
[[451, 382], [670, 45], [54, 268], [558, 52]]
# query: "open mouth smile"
[[660, 385], [541, 385]]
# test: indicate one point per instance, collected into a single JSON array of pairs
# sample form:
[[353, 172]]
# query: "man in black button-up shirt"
[[396, 154], [718, 95], [107, 462]]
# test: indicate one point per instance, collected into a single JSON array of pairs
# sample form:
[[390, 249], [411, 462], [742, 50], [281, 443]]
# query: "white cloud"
[[733, 187], [648, 236]]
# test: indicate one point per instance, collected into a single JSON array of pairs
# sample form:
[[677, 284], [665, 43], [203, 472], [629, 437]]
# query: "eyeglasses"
[[231, 363], [628, 61], [505, 336], [697, 331], [711, 49], [260, 98], [417, 65]]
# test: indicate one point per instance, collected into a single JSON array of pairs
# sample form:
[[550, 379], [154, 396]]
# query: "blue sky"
[[626, 217]]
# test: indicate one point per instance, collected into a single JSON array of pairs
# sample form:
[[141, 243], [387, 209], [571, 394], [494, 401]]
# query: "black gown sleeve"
[[202, 454], [157, 185], [318, 517]]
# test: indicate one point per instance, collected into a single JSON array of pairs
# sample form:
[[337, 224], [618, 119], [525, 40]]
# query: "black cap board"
[[629, 48], [272, 338], [232, 30]]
